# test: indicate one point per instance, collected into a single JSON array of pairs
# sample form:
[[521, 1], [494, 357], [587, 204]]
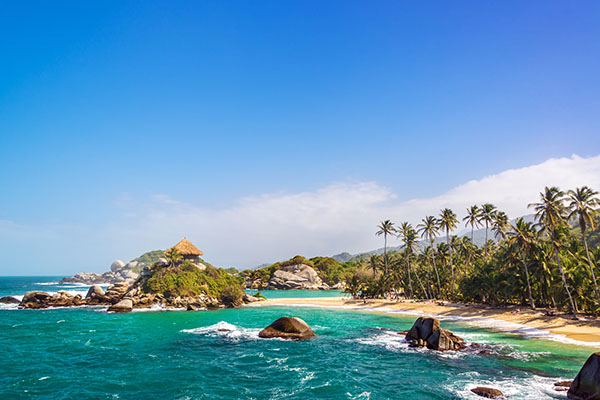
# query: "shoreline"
[[526, 322]]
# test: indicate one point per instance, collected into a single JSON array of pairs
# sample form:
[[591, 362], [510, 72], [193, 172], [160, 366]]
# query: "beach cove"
[[85, 352]]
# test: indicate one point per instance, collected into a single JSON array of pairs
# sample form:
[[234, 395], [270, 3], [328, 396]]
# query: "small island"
[[179, 280]]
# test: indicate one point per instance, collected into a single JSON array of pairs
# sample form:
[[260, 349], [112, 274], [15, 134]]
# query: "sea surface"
[[87, 353]]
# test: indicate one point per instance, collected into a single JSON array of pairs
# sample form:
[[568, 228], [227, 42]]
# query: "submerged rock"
[[486, 392], [562, 386], [292, 328], [125, 305], [9, 300], [586, 385], [427, 332]]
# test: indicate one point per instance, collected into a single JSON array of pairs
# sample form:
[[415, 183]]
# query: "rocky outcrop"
[[9, 300], [125, 305], [299, 276], [288, 328], [427, 332], [114, 292], [486, 392], [117, 265], [252, 299], [37, 300], [586, 385]]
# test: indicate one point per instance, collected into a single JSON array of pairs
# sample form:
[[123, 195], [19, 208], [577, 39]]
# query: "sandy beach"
[[585, 331]]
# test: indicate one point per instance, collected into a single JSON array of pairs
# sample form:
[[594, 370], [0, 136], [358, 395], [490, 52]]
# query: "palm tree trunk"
[[437, 275], [409, 280], [587, 253], [451, 265], [385, 253], [486, 238], [470, 247], [564, 281], [531, 303], [421, 284]]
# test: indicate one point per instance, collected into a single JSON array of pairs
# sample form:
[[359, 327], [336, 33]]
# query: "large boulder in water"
[[489, 393], [125, 305], [36, 299], [288, 328], [586, 385], [427, 332]]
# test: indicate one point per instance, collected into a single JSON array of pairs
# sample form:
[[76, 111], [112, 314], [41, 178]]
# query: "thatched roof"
[[186, 248]]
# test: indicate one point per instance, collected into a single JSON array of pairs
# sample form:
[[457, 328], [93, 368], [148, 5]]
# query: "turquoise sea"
[[86, 353]]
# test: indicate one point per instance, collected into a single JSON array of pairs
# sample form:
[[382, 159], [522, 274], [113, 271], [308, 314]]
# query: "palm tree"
[[429, 228], [409, 237], [375, 262], [584, 206], [523, 236], [549, 213], [385, 228], [487, 216], [448, 222], [500, 224], [174, 256], [472, 218]]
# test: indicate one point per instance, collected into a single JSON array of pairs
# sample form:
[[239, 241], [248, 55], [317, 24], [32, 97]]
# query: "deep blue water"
[[86, 353]]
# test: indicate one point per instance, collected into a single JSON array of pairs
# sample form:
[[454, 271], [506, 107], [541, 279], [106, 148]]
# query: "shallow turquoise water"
[[86, 353], [280, 294]]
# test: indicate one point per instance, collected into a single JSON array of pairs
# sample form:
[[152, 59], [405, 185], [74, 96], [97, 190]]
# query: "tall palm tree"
[[549, 213], [487, 216], [500, 224], [410, 240], [472, 219], [523, 236], [584, 206], [448, 222], [430, 228], [385, 228]]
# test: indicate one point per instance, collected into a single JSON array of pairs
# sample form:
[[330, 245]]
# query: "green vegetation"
[[552, 263], [329, 269], [188, 280], [148, 258]]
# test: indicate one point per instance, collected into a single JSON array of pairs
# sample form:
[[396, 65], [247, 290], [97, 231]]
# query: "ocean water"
[[87, 353]]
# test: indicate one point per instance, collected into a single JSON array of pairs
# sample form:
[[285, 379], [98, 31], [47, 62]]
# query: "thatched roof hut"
[[187, 250]]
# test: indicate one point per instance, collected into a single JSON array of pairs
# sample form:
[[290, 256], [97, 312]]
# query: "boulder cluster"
[[292, 328], [426, 332], [119, 272], [124, 297], [298, 276]]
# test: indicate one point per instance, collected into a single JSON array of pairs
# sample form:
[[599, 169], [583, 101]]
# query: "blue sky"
[[106, 108]]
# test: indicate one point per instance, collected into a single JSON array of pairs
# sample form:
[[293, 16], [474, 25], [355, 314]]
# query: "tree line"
[[545, 263]]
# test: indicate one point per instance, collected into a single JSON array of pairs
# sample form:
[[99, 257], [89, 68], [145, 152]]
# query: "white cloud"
[[342, 216], [335, 218]]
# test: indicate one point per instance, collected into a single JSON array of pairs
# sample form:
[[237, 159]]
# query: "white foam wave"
[[45, 283], [225, 330], [527, 388], [158, 307]]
